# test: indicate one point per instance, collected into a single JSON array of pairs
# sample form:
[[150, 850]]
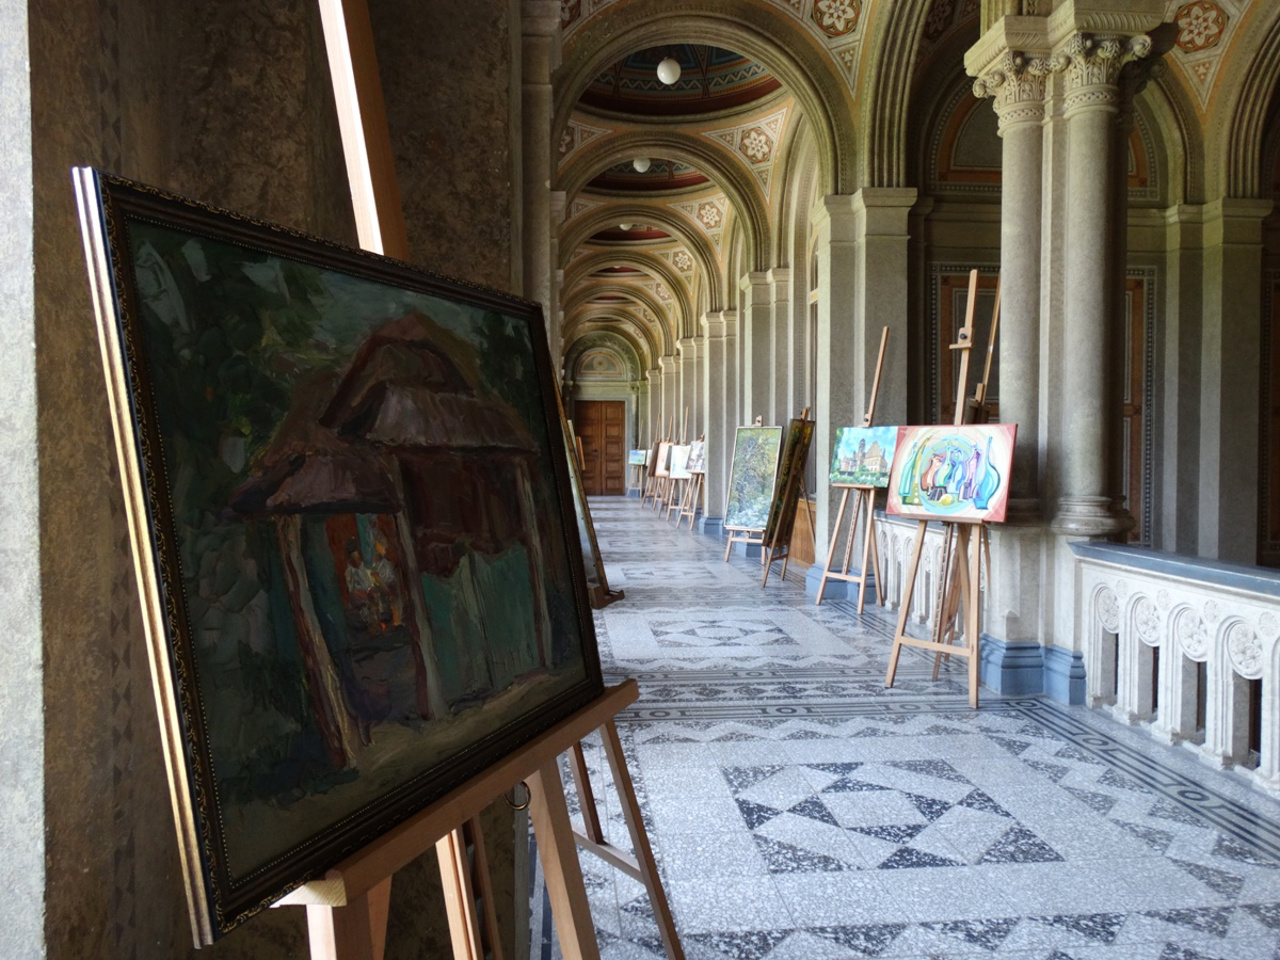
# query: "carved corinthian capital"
[[1017, 83], [1093, 64]]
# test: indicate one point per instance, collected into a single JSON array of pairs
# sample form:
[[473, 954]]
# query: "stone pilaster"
[[657, 426], [719, 420], [689, 399], [757, 346], [539, 57], [783, 366], [670, 397]]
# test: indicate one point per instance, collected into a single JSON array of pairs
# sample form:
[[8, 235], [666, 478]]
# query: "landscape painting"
[[697, 457], [863, 456], [751, 477], [680, 461], [349, 496], [638, 458], [663, 462], [952, 473]]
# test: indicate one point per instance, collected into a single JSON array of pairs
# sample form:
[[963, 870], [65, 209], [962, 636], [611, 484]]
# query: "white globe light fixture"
[[669, 71], [641, 164], [625, 226]]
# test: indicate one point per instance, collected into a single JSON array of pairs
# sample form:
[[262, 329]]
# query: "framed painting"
[[751, 477], [680, 461], [349, 504], [638, 458], [697, 457], [663, 467], [952, 473], [863, 456], [782, 510]]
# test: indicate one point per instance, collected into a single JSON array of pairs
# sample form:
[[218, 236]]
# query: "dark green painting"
[[353, 476]]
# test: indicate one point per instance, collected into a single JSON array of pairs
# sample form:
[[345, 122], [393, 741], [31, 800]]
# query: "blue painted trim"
[[1064, 675], [1238, 576], [1011, 668], [634, 492]]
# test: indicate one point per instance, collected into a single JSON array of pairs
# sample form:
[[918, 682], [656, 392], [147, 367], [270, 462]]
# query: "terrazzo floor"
[[800, 811]]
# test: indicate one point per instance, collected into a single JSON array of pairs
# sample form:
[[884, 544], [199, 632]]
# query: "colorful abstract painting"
[[863, 456], [952, 473], [348, 492], [751, 477]]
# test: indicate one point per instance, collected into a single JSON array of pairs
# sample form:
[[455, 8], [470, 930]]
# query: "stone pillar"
[[783, 367], [689, 398], [1086, 506], [539, 57], [555, 319], [1229, 379], [718, 414], [657, 426], [757, 333], [670, 397]]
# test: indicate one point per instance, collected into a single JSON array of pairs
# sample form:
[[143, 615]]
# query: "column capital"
[[754, 278], [719, 324], [778, 275], [1092, 64], [688, 347], [1017, 82], [667, 364], [653, 374]]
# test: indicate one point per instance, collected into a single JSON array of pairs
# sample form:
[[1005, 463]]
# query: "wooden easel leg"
[[640, 841], [586, 796], [866, 554], [875, 555], [560, 867], [831, 550], [908, 588], [853, 533], [357, 931], [728, 546], [459, 896]]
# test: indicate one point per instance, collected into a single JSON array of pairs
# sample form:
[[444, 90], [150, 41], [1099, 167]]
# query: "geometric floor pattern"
[[798, 810]]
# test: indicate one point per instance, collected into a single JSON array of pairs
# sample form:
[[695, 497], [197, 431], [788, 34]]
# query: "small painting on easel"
[[953, 472], [679, 466], [751, 477], [863, 456], [697, 457], [638, 458], [663, 468]]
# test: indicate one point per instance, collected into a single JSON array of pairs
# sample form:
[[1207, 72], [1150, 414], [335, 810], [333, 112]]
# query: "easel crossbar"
[[361, 872]]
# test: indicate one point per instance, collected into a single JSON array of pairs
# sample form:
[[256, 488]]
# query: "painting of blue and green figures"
[[863, 456], [958, 473]]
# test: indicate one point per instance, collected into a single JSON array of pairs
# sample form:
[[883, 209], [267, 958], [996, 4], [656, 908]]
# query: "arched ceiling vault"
[[601, 317], [790, 54], [630, 293], [711, 158], [612, 340], [580, 272], [578, 231], [893, 40]]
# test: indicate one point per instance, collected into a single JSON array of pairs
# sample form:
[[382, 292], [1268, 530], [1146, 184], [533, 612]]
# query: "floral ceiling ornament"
[[683, 261], [939, 19], [756, 145], [836, 18], [1201, 24], [709, 215]]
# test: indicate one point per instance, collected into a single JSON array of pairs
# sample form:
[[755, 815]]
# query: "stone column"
[[757, 333], [718, 413], [689, 396], [1018, 85], [555, 319], [539, 57], [670, 397], [1092, 100], [784, 369]]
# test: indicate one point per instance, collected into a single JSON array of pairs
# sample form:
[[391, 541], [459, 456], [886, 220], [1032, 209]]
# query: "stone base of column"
[[1012, 668], [1064, 675], [1023, 512], [712, 527], [1091, 517], [838, 589], [751, 551], [633, 492]]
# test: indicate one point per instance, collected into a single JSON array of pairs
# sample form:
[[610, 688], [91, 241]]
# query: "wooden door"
[[601, 425]]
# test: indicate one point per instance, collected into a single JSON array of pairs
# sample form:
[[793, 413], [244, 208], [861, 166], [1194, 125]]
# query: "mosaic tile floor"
[[800, 811]]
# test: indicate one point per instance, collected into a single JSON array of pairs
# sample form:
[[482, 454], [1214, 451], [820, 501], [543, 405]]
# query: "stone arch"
[[1241, 148], [631, 293], [804, 68], [581, 269], [616, 320], [709, 157], [799, 173], [616, 343], [679, 226], [891, 55]]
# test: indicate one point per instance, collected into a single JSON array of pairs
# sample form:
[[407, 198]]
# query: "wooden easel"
[[347, 910], [790, 492], [663, 482], [864, 500], [676, 485], [693, 495], [961, 552]]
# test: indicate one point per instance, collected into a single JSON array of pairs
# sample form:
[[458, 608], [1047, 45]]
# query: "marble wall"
[[228, 102]]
